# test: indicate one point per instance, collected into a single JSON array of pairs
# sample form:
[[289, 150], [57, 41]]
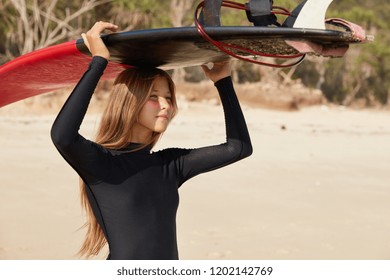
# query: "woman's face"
[[157, 112]]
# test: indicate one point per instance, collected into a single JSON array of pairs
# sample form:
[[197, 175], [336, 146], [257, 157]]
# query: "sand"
[[316, 187]]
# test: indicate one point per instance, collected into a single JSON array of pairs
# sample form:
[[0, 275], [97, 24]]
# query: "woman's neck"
[[140, 135]]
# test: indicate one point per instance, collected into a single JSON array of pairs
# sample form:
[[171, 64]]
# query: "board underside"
[[62, 65]]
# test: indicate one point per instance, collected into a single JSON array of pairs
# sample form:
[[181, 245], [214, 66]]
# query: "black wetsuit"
[[134, 195]]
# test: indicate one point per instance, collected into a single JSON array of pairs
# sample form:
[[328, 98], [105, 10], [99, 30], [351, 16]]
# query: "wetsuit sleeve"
[[83, 155], [237, 146]]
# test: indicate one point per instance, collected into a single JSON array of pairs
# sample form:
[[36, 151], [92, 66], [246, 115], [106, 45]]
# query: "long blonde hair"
[[130, 92]]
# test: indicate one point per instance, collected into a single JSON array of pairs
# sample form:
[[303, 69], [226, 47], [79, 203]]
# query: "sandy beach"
[[316, 187]]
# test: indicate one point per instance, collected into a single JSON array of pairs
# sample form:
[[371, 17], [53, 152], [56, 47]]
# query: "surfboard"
[[62, 65]]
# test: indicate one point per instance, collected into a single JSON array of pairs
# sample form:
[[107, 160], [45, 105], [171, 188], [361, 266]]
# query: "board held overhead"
[[62, 65]]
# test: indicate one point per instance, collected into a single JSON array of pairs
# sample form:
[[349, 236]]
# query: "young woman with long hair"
[[129, 192]]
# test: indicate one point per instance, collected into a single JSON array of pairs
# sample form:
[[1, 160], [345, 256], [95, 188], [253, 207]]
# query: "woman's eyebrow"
[[168, 93]]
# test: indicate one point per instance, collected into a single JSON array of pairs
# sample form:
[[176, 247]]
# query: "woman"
[[131, 193]]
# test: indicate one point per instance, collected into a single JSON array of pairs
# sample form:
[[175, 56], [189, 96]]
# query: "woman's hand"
[[93, 41], [219, 71]]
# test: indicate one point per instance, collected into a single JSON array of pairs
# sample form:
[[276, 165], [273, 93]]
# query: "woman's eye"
[[153, 97]]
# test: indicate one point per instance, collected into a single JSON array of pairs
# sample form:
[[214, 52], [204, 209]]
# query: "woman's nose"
[[164, 103]]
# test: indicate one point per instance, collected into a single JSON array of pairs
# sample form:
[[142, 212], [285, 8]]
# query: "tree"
[[32, 25], [179, 9]]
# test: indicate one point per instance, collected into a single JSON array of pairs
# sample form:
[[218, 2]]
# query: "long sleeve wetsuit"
[[134, 195]]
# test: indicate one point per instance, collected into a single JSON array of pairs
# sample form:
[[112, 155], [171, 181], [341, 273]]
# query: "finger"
[[206, 70], [109, 26], [113, 28], [222, 62], [102, 25]]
